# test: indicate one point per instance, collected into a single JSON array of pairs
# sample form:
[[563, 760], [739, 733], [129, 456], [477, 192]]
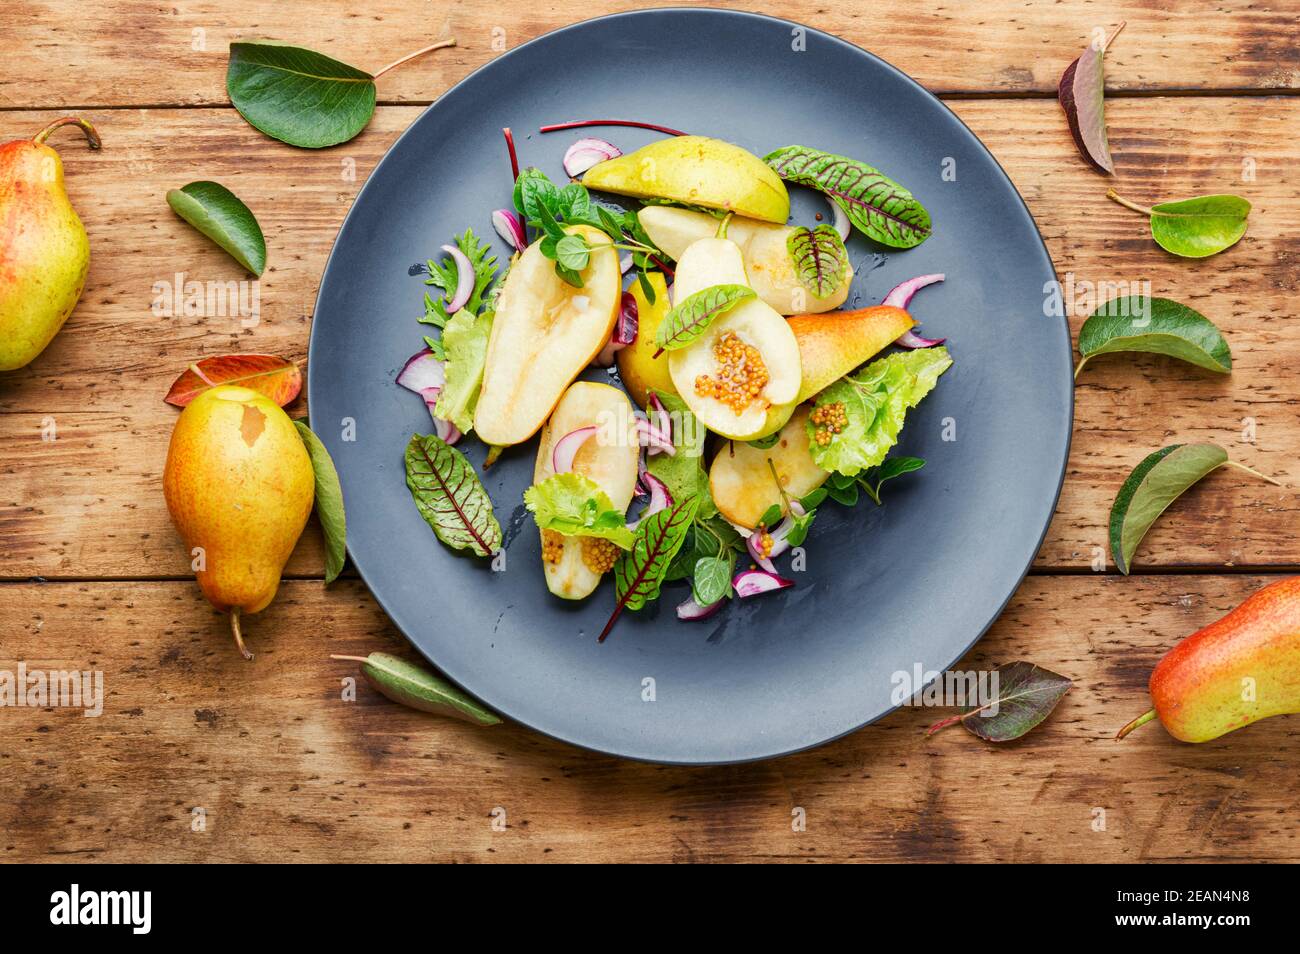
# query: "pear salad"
[[748, 398]]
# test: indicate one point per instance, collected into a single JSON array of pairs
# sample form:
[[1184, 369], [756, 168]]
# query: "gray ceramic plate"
[[915, 582]]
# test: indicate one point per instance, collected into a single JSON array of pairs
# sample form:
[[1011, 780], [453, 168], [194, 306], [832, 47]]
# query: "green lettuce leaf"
[[875, 400], [465, 342], [575, 506], [683, 473]]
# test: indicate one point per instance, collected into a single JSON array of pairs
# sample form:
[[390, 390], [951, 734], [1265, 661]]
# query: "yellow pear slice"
[[609, 458], [741, 480], [714, 261], [762, 245], [544, 333], [696, 170]]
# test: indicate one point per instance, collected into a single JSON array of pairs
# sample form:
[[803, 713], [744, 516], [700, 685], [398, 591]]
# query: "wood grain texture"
[[1002, 46], [88, 504], [286, 770]]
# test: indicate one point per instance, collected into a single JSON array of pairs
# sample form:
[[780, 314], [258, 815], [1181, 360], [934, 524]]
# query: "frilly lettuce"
[[465, 342], [573, 504], [875, 400]]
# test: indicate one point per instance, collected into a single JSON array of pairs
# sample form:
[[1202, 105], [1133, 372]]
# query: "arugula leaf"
[[443, 275], [875, 401], [690, 317], [464, 342], [574, 505], [639, 573], [450, 497], [683, 473]]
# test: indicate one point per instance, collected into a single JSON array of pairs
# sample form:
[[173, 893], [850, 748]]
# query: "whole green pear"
[[44, 252]]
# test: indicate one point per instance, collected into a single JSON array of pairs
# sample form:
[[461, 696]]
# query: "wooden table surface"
[[1202, 98]]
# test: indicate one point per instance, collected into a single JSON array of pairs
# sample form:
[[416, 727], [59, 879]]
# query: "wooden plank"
[[70, 53], [286, 770], [88, 505]]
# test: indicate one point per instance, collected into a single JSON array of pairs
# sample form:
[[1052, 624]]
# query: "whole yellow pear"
[[239, 485], [44, 252]]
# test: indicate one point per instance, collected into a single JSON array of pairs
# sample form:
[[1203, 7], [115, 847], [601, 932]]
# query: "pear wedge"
[[715, 261], [762, 245], [741, 480], [609, 458], [696, 170], [544, 333]]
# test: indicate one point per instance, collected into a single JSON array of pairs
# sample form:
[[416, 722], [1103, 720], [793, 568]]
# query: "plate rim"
[[823, 35]]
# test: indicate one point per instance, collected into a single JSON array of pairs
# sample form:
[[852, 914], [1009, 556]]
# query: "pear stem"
[[1141, 720], [238, 633], [357, 659], [450, 41], [722, 228], [1112, 194], [92, 136], [1255, 473]]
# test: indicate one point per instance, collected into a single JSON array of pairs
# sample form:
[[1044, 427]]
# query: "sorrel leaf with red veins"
[[696, 312], [1026, 695], [820, 258], [878, 207], [450, 496], [277, 378], [639, 573], [1082, 93]]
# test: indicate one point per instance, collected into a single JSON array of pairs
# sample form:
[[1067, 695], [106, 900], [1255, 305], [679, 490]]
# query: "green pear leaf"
[[1154, 326], [416, 687], [329, 502], [1155, 483], [219, 214], [1194, 228]]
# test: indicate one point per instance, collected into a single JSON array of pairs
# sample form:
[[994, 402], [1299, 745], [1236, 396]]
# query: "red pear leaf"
[[1083, 97], [276, 377]]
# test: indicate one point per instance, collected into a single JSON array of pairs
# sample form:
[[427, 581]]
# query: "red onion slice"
[[691, 610], [757, 582], [422, 370], [653, 439], [841, 223], [510, 228], [585, 153], [752, 543], [566, 448], [624, 263], [464, 279], [660, 498], [900, 296], [625, 330]]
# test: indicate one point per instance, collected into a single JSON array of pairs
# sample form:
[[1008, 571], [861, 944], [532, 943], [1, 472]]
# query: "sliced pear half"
[[544, 333], [609, 458], [754, 323], [741, 480]]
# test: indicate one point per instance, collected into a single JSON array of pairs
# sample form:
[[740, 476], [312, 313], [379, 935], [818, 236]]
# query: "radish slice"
[[841, 219], [510, 228], [653, 439], [566, 448], [585, 153], [900, 296], [421, 371], [757, 582], [691, 610], [464, 279]]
